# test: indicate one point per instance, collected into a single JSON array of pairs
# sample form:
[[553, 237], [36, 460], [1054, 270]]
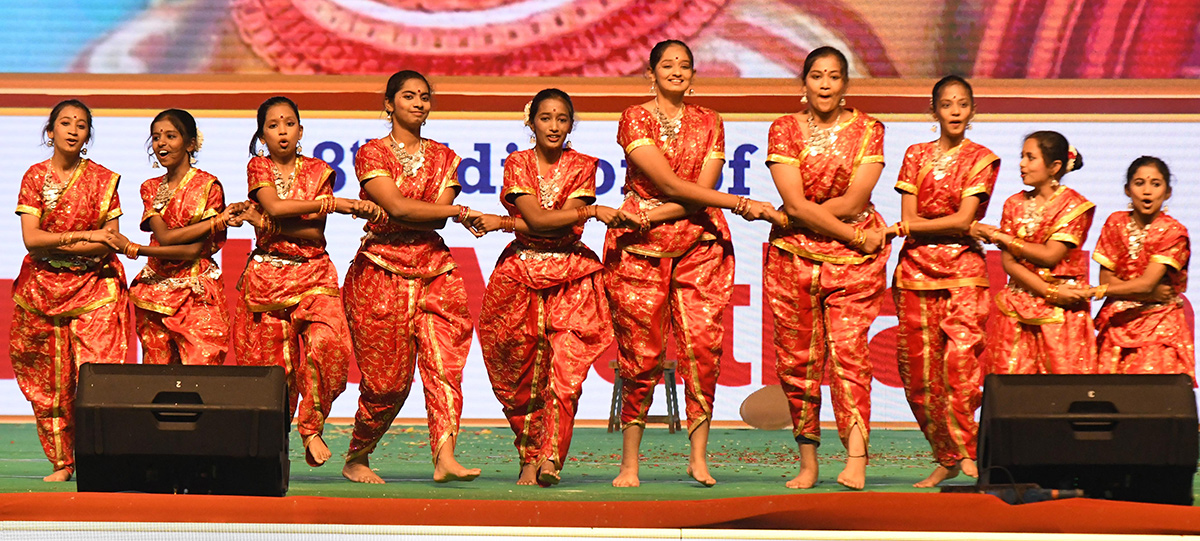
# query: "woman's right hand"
[[112, 239], [759, 210], [1070, 296], [480, 224], [1162, 293], [873, 240], [251, 214], [983, 232]]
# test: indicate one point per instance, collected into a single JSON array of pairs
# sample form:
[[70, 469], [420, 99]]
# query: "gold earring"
[[50, 143], [804, 99], [299, 148], [83, 151], [842, 102], [691, 91]]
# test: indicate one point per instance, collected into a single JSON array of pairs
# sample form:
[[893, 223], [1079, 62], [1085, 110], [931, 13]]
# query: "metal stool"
[[672, 416]]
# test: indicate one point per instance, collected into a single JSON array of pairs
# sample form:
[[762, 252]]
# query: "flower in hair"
[[199, 139], [527, 120], [1071, 155]]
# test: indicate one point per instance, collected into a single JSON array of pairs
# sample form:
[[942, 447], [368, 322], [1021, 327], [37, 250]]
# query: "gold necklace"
[[669, 126], [944, 161], [283, 187], [409, 163], [1032, 215], [820, 140], [1136, 236], [53, 185], [549, 188], [165, 193]]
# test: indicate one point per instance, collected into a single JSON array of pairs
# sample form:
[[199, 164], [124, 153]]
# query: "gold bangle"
[[1016, 247], [581, 215], [858, 240], [1100, 292], [787, 221], [1052, 294], [907, 228]]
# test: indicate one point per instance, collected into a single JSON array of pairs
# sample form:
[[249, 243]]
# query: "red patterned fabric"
[[180, 305], [675, 278], [941, 298], [69, 310], [827, 175], [1032, 336], [824, 294], [290, 312], [407, 306], [1140, 337], [545, 316]]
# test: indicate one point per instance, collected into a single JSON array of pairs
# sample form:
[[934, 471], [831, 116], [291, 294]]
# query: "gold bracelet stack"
[[859, 239], [1016, 247], [742, 206], [1100, 292], [131, 250], [464, 212], [268, 226], [508, 224], [902, 229], [787, 221], [1052, 294], [328, 205], [643, 221], [67, 238], [216, 225], [380, 215], [581, 214]]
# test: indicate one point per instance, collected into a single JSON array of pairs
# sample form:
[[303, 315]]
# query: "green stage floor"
[[744, 462]]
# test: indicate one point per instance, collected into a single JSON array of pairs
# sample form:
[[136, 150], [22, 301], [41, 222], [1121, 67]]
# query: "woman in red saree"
[[825, 272], [941, 284], [545, 316], [179, 296], [405, 301], [70, 297], [290, 310], [675, 270], [1143, 255], [1045, 323]]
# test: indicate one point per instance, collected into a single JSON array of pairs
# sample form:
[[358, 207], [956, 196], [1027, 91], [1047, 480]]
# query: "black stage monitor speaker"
[[1117, 437], [182, 429]]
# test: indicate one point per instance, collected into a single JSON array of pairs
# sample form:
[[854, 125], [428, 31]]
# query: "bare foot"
[[315, 450], [359, 470], [448, 469], [854, 475], [699, 472], [548, 474], [940, 473], [58, 476], [698, 456], [627, 477], [631, 442], [808, 468], [528, 475], [969, 468]]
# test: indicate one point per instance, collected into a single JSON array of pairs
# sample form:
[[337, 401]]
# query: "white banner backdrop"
[[119, 144]]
